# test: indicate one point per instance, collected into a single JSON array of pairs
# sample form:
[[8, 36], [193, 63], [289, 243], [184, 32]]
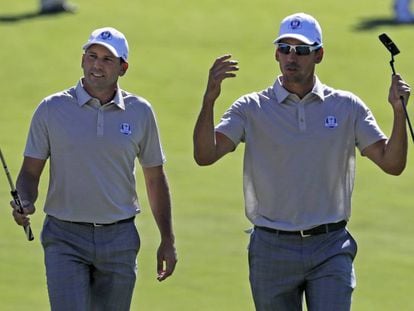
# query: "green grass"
[[173, 44]]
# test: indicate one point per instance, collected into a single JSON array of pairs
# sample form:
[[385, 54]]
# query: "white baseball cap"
[[110, 38], [300, 26]]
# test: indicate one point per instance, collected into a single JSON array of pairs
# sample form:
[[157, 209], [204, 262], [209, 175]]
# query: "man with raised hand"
[[299, 164]]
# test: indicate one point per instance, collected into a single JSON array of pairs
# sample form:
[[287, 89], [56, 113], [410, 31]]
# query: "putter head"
[[389, 44]]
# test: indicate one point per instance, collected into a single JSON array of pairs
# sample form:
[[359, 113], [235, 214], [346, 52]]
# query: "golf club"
[[16, 198], [390, 45]]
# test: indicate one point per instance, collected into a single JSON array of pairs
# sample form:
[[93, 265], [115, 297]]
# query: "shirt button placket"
[[100, 129], [301, 117]]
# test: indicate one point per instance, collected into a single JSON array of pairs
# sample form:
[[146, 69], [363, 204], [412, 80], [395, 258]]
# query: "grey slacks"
[[90, 268], [283, 268]]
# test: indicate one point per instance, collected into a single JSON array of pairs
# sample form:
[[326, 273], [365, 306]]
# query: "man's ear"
[[319, 56], [276, 55], [124, 68], [82, 60]]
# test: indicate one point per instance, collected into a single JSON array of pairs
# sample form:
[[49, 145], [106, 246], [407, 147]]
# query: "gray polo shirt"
[[299, 158], [92, 151]]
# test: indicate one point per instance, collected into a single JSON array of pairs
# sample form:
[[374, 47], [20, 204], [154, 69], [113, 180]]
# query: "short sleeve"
[[151, 153], [233, 122], [367, 129], [38, 144]]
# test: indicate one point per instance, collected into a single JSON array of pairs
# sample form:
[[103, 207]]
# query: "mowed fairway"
[[172, 45]]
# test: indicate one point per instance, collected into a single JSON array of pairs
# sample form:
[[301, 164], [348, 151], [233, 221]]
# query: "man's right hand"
[[22, 219], [222, 68]]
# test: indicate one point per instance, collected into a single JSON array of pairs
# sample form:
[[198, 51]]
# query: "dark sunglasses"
[[285, 48]]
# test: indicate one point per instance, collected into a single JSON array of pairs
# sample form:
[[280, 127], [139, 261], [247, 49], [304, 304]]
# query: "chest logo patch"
[[331, 122], [125, 129]]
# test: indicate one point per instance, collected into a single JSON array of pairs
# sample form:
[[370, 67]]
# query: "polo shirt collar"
[[281, 93], [84, 97]]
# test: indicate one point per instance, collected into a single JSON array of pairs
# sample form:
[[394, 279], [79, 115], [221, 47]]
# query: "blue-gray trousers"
[[90, 268], [285, 267]]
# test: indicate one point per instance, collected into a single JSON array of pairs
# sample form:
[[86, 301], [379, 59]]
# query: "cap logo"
[[295, 24], [106, 35]]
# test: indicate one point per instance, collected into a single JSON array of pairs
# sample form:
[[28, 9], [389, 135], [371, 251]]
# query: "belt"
[[94, 224], [306, 233]]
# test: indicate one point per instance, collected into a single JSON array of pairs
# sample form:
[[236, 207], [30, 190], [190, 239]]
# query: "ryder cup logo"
[[125, 129], [295, 24], [330, 122], [106, 35]]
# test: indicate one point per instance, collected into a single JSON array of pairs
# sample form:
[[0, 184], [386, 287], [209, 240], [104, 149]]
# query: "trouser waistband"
[[325, 228], [94, 224]]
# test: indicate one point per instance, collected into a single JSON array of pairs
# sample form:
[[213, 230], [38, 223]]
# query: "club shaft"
[[16, 198], [392, 65], [403, 102], [407, 117]]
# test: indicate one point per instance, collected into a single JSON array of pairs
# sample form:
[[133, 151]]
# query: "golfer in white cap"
[[300, 138], [92, 134]]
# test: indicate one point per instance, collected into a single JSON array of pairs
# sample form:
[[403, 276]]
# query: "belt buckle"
[[303, 235], [97, 225]]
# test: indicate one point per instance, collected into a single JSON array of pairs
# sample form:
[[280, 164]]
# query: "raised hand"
[[398, 89], [222, 68]]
